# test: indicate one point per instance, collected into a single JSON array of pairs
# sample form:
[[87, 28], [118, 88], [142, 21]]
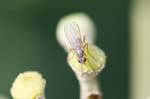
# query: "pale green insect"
[[83, 56], [77, 43]]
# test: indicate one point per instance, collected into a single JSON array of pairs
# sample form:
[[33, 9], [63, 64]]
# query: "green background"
[[28, 42]]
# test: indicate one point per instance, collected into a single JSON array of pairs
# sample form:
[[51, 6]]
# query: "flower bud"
[[28, 85], [86, 24], [95, 60]]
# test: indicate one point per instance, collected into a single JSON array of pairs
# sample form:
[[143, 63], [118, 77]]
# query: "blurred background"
[[28, 42]]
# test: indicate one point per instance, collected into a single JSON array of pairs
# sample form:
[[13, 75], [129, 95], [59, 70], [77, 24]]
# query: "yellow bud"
[[28, 85], [95, 60]]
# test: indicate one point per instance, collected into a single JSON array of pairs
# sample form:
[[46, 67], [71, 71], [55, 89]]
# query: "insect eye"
[[79, 60], [84, 60]]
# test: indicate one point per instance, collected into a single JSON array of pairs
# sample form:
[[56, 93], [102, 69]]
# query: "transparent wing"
[[73, 35]]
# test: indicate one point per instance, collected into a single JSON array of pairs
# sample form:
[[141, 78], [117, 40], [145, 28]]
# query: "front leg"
[[86, 46]]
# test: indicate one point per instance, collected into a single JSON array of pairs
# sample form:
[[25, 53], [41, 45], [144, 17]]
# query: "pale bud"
[[95, 61], [86, 24], [28, 85]]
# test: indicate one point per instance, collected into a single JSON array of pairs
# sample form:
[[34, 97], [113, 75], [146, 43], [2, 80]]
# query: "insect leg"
[[86, 45], [81, 67], [89, 53], [90, 65]]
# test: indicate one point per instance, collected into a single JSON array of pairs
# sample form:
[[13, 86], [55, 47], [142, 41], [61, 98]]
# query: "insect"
[[77, 43], [88, 56]]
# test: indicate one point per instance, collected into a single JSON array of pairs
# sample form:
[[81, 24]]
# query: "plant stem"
[[89, 87]]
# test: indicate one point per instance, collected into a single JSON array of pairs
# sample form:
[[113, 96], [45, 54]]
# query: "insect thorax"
[[80, 52], [80, 55]]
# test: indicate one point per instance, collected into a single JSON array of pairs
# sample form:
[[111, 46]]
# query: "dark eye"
[[84, 60], [79, 60]]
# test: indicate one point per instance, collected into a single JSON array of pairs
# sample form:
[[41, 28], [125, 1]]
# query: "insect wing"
[[73, 35]]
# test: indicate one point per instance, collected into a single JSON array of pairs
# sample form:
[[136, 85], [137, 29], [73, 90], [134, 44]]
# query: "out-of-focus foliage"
[[27, 42]]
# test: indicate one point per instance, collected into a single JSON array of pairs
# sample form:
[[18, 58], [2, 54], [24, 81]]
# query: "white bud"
[[86, 24]]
